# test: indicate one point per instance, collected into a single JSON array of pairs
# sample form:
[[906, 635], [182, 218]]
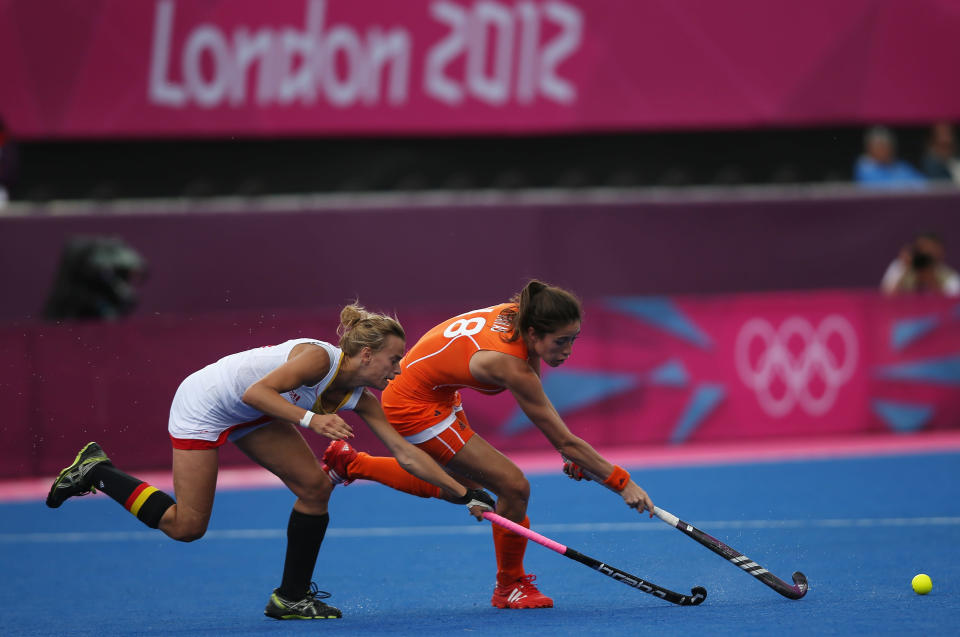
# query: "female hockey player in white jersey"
[[255, 399]]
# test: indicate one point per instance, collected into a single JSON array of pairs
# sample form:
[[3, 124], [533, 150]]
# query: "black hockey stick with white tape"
[[697, 595], [795, 591]]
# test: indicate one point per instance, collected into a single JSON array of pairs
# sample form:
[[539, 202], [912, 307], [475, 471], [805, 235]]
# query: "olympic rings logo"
[[795, 367]]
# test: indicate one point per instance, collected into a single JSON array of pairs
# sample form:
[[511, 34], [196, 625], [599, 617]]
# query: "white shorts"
[[198, 421]]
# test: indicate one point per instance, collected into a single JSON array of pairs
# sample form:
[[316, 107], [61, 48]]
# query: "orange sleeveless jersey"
[[432, 372]]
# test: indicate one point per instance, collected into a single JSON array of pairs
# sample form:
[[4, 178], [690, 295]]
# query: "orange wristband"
[[618, 478]]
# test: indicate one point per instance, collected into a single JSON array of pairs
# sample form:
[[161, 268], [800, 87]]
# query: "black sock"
[[139, 498], [304, 537]]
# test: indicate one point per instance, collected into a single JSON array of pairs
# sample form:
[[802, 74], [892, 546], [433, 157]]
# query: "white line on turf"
[[398, 531]]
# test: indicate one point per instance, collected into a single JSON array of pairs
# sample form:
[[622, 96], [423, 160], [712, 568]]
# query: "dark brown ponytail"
[[545, 308]]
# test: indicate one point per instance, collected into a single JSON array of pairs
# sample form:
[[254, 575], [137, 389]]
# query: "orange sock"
[[510, 548], [389, 472]]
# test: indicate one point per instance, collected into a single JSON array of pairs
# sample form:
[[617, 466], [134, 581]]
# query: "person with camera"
[[921, 268]]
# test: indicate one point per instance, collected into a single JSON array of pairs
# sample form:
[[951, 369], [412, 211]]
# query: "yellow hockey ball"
[[921, 584]]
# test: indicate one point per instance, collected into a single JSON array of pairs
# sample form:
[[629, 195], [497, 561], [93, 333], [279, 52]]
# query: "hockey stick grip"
[[666, 516], [525, 532]]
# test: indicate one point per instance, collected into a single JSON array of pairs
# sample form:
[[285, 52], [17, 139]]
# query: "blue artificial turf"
[[397, 565]]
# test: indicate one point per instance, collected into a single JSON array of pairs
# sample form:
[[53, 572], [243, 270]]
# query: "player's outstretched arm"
[[416, 461], [527, 389]]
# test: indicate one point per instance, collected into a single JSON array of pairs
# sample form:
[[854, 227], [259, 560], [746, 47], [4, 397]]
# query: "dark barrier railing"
[[470, 250]]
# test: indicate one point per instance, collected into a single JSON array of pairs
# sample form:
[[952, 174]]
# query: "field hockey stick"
[[697, 595], [795, 591]]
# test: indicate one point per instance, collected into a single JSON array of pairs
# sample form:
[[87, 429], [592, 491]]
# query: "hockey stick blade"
[[696, 596], [795, 591]]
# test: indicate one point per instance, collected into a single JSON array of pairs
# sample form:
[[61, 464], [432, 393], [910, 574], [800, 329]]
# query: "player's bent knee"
[[191, 536], [316, 491], [189, 532], [184, 530], [516, 489]]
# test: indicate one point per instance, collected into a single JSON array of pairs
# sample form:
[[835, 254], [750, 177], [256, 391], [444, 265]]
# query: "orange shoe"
[[520, 594], [336, 459]]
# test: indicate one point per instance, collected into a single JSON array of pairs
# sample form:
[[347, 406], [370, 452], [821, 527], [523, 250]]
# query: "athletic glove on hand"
[[477, 498]]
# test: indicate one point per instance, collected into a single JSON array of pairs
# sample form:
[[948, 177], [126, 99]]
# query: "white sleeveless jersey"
[[209, 402]]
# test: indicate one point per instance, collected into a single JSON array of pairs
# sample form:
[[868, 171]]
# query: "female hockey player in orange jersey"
[[488, 350]]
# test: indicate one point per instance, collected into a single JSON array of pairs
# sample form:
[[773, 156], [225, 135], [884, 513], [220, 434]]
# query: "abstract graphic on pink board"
[[671, 370]]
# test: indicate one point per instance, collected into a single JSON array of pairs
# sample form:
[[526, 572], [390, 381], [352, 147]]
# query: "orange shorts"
[[444, 440]]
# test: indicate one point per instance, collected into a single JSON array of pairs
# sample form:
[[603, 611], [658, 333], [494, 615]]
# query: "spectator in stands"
[[8, 163], [940, 160], [879, 167], [921, 268]]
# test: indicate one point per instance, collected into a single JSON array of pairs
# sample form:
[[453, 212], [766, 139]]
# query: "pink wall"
[[646, 371], [114, 68]]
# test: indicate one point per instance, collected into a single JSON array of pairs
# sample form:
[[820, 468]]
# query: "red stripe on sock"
[[133, 496]]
